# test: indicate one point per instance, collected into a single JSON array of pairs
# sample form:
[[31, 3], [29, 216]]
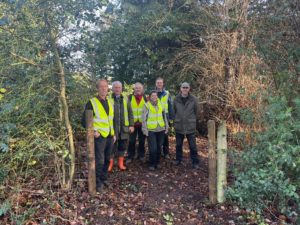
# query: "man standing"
[[166, 101], [186, 111], [103, 131], [137, 101], [123, 124]]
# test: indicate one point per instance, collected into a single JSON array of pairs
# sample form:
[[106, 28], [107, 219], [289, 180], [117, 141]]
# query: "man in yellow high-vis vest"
[[103, 132], [123, 124], [137, 101], [166, 101]]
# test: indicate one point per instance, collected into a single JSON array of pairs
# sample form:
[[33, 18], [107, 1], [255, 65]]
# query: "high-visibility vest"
[[126, 120], [155, 117], [164, 101], [102, 122], [137, 109]]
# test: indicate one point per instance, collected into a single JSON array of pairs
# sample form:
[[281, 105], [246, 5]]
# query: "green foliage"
[[267, 172], [142, 41], [32, 126], [32, 130], [3, 174], [246, 116], [169, 218], [127, 89], [2, 91], [281, 52], [4, 208]]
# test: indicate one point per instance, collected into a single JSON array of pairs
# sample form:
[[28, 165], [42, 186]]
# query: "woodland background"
[[241, 58]]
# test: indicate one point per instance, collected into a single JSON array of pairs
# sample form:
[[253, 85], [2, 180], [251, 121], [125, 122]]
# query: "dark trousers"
[[155, 141], [192, 144], [103, 148], [132, 141], [119, 148], [166, 145]]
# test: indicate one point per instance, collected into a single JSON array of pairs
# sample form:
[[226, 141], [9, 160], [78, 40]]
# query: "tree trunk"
[[222, 161], [212, 167], [65, 107]]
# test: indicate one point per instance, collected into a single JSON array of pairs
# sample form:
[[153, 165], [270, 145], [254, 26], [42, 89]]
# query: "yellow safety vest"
[[102, 122], [155, 117], [164, 102], [111, 99], [137, 109]]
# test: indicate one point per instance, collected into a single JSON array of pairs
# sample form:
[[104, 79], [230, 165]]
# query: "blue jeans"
[[155, 142]]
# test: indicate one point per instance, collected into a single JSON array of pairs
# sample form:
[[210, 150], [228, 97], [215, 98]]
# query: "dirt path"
[[171, 195]]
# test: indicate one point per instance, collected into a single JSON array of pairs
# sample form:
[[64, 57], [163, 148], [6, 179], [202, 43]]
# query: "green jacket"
[[185, 114], [121, 131]]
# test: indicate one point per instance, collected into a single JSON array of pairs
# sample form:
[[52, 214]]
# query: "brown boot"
[[111, 164], [121, 163]]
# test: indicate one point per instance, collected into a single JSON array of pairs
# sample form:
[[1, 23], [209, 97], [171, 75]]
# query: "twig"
[[28, 61]]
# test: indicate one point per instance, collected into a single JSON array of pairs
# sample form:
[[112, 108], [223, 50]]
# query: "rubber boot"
[[121, 163], [111, 164]]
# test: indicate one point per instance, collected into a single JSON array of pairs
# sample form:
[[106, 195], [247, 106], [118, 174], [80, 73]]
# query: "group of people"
[[119, 119]]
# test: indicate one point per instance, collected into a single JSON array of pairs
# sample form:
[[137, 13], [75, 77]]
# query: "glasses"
[[185, 87]]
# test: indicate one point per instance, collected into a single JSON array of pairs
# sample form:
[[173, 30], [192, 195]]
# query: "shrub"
[[267, 172]]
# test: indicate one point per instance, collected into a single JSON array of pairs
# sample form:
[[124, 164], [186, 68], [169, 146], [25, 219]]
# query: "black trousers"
[[192, 144], [132, 141], [119, 148], [155, 141], [103, 148], [166, 145]]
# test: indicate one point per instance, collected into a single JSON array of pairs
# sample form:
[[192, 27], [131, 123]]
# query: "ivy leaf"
[[4, 21], [4, 147]]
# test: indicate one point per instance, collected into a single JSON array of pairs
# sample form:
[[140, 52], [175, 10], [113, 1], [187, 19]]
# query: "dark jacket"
[[121, 131], [162, 93], [185, 114]]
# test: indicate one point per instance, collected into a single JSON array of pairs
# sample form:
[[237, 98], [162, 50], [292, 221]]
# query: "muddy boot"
[[121, 163], [111, 164]]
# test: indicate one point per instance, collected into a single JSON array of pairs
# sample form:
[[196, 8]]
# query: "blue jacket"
[[162, 93]]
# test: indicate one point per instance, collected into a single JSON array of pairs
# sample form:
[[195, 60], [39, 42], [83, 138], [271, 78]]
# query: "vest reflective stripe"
[[164, 101], [155, 117], [137, 109], [111, 99], [102, 122]]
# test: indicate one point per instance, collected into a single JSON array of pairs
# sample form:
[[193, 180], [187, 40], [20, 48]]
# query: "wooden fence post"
[[222, 161], [212, 164], [91, 152]]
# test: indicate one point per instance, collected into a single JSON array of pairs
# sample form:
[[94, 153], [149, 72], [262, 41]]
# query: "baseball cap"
[[185, 84]]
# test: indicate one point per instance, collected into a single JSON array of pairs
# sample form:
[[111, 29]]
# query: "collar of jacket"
[[153, 103], [114, 96], [179, 97], [163, 92]]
